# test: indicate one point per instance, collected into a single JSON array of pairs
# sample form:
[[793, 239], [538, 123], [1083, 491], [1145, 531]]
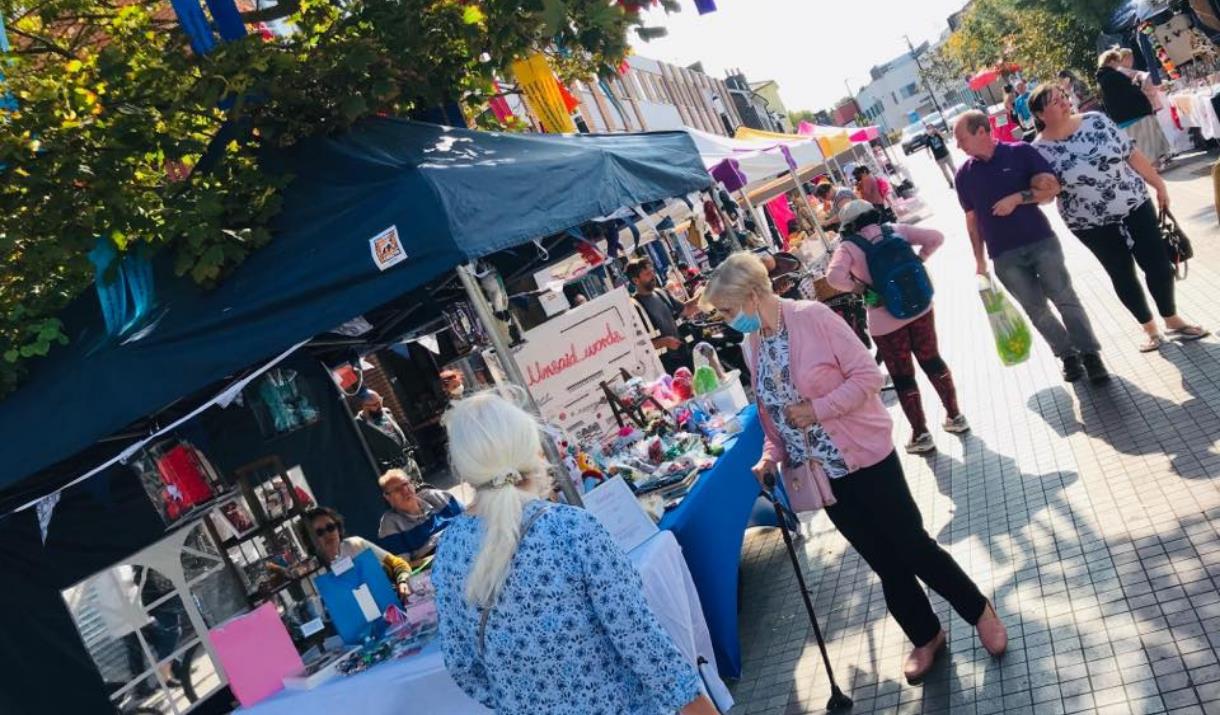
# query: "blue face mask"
[[746, 323]]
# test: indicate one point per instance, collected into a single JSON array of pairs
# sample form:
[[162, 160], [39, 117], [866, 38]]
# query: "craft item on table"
[[422, 613], [656, 451], [627, 436], [356, 593], [682, 417], [632, 392], [394, 616], [683, 384], [662, 390], [421, 586], [705, 380], [705, 354], [625, 472], [569, 463], [398, 642], [659, 426], [590, 474]]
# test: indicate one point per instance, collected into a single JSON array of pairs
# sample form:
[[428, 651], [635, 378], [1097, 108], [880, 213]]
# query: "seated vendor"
[[326, 531], [416, 517]]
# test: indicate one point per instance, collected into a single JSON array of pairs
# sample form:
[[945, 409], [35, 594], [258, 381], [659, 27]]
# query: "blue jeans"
[[1036, 275]]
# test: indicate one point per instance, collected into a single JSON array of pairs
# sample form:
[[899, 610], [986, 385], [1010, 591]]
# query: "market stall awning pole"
[[504, 354], [817, 227]]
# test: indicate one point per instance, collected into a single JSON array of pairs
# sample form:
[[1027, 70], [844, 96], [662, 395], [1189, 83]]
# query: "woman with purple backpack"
[[900, 317]]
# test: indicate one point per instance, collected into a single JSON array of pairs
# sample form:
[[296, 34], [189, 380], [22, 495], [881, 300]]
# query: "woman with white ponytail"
[[540, 611]]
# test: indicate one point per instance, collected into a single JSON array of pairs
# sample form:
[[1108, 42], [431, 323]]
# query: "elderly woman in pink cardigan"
[[818, 394]]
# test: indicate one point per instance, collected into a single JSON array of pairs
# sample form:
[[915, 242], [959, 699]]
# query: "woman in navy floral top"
[[1105, 202], [540, 611]]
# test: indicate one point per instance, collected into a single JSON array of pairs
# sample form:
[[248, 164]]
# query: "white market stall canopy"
[[760, 158]]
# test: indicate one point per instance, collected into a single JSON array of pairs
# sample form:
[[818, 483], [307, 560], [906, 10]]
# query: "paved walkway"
[[1090, 515]]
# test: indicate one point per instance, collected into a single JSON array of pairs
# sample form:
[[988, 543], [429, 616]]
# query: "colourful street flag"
[[542, 94]]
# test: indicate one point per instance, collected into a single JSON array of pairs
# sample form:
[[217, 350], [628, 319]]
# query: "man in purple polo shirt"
[[1000, 187]]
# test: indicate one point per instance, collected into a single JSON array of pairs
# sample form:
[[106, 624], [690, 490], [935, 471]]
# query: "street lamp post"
[[924, 77]]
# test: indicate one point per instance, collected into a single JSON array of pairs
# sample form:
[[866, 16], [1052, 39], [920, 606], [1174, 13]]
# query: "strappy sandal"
[[1189, 333], [1153, 343]]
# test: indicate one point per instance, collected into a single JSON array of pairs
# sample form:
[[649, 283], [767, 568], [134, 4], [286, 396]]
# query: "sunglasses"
[[328, 529]]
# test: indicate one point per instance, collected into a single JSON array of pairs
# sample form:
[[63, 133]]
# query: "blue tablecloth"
[[710, 524]]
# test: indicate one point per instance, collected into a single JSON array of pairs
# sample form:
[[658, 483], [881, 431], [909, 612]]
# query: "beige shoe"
[[921, 660], [992, 633]]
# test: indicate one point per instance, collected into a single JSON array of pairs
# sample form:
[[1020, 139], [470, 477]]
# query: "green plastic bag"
[[1012, 337]]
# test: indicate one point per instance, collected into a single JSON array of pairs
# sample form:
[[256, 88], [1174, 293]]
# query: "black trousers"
[[1119, 246], [877, 514]]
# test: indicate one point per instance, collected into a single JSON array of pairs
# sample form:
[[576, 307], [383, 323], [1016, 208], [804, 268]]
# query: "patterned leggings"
[[918, 339]]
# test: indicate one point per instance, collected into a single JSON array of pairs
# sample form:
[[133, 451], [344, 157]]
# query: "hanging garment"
[[182, 470], [781, 213]]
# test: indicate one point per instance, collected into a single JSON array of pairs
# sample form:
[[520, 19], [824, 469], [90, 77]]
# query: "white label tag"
[[387, 249], [341, 566], [368, 606], [308, 628]]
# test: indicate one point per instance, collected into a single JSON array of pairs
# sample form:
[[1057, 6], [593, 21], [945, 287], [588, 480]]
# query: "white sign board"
[[618, 510], [565, 359]]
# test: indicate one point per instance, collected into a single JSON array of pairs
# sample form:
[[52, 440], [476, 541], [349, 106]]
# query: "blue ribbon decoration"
[[4, 45], [138, 272], [228, 19], [111, 285], [195, 25], [7, 102]]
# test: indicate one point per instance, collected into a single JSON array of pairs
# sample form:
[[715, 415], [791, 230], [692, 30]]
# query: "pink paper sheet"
[[256, 653]]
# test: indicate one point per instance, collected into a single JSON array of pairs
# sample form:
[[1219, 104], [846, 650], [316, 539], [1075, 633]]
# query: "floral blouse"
[[571, 633], [1099, 185], [776, 391]]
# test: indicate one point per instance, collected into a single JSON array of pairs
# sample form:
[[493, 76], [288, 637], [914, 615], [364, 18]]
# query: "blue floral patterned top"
[[571, 633], [776, 391]]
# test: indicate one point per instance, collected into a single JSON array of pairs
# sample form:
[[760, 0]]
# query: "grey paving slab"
[[1090, 516]]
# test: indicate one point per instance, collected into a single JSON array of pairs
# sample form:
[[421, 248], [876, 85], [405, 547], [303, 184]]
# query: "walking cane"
[[838, 700]]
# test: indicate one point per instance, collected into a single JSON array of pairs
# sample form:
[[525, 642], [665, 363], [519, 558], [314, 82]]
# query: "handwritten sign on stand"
[[566, 358]]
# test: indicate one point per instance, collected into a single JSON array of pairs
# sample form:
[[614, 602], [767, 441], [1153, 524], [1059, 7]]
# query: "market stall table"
[[710, 525], [420, 684]]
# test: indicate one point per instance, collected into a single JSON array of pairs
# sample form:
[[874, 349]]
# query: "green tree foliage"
[[114, 113], [1042, 36]]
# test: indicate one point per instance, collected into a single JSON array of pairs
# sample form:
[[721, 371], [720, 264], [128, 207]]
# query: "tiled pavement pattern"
[[1090, 516]]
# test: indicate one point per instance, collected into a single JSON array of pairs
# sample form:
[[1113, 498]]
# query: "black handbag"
[[1177, 245]]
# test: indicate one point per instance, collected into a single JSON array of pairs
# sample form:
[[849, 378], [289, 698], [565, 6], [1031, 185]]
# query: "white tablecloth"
[[420, 685]]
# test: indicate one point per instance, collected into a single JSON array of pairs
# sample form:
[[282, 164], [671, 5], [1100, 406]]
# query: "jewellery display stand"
[[273, 558]]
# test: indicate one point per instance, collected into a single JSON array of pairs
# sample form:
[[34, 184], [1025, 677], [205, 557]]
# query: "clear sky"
[[809, 46]]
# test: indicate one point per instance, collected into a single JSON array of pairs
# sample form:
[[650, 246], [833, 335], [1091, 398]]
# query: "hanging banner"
[[542, 94], [565, 359]]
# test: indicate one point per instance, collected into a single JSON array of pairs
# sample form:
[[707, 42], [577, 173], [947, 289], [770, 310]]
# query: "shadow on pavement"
[[1136, 423]]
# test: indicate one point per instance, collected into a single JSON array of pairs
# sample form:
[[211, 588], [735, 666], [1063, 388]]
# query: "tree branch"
[[47, 44], [280, 10]]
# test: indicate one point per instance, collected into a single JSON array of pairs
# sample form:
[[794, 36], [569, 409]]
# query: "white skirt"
[[1150, 138]]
